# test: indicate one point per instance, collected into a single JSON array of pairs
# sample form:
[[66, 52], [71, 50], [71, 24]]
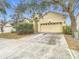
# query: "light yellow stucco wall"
[[51, 28]]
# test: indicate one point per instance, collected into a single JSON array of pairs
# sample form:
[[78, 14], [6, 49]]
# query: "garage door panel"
[[51, 28]]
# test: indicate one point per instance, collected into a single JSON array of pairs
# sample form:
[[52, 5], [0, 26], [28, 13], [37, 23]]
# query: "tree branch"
[[58, 2]]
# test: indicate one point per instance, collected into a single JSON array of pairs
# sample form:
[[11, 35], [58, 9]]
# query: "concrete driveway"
[[41, 46]]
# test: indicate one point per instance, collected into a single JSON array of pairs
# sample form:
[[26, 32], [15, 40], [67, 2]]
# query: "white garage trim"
[[51, 27]]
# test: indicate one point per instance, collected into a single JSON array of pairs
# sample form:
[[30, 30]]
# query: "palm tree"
[[3, 6]]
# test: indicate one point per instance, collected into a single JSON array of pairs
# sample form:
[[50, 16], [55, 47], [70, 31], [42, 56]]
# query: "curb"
[[72, 55]]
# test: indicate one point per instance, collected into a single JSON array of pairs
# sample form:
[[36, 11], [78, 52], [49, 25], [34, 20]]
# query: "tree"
[[69, 6], [3, 22], [33, 8], [18, 14], [15, 18], [3, 6]]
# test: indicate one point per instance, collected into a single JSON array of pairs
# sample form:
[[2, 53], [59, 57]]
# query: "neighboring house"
[[51, 22], [78, 21], [8, 28]]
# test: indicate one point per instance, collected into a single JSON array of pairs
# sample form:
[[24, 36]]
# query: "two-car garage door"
[[55, 28]]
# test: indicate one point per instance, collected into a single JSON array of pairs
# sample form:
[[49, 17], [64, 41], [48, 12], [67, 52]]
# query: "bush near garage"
[[24, 28], [68, 30]]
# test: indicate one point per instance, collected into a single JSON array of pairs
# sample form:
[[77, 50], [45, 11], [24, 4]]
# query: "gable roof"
[[8, 25], [54, 13]]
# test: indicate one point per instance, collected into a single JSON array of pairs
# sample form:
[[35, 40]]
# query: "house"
[[77, 21], [51, 22], [7, 28]]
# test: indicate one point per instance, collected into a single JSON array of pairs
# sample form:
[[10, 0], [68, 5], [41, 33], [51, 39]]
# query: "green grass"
[[11, 35]]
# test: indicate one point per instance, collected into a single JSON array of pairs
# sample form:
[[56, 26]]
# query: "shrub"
[[24, 28], [68, 30]]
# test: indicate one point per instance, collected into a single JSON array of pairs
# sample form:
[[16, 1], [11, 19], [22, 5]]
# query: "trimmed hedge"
[[24, 28]]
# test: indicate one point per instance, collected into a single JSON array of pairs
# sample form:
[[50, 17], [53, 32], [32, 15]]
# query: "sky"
[[10, 11]]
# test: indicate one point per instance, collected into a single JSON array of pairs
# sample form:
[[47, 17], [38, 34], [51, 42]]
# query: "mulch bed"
[[73, 44]]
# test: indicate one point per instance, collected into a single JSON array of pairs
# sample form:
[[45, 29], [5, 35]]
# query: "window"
[[53, 23]]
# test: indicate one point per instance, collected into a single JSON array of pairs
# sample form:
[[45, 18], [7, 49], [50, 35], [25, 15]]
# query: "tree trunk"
[[73, 23], [2, 29]]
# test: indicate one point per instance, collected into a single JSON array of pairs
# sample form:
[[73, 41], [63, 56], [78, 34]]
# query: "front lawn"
[[73, 44], [10, 35]]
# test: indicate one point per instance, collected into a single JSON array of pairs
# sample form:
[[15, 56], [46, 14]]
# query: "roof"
[[8, 25], [58, 14]]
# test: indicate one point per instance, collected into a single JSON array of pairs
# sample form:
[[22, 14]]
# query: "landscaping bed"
[[73, 44]]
